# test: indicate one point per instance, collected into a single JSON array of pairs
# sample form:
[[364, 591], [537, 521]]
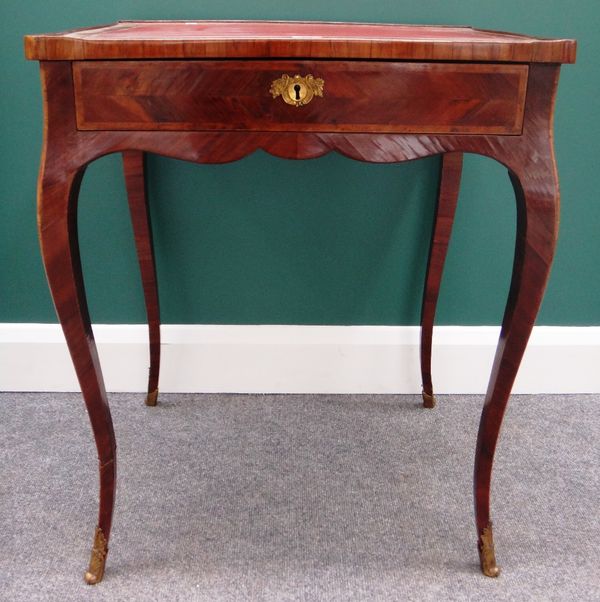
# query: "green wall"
[[237, 244]]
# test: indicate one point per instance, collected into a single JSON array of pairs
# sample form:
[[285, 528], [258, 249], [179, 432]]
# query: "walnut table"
[[215, 91]]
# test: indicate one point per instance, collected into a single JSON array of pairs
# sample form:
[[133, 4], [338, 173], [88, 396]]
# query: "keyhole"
[[297, 89]]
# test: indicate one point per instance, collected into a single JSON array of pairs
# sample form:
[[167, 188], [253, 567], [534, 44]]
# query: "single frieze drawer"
[[329, 96]]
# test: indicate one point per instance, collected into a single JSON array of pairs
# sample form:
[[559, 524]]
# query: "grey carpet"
[[299, 497]]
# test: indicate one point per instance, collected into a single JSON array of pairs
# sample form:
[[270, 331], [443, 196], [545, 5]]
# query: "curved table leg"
[[57, 222], [537, 195], [450, 172], [135, 182]]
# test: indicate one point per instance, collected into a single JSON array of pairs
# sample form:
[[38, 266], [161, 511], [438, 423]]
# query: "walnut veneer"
[[204, 91]]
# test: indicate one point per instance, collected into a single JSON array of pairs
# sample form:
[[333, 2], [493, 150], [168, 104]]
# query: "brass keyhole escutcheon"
[[297, 90]]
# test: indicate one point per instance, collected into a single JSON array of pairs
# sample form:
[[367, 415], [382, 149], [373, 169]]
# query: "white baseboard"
[[300, 359]]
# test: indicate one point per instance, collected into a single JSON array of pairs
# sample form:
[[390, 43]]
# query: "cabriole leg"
[[536, 190], [135, 182], [450, 172], [57, 222]]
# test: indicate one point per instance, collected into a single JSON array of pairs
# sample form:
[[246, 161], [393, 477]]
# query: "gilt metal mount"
[[95, 571], [487, 555], [297, 90]]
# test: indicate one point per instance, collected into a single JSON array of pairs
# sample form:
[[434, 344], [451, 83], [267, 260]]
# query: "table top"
[[286, 39]]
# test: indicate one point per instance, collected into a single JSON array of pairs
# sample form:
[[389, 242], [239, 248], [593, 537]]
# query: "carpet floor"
[[299, 497]]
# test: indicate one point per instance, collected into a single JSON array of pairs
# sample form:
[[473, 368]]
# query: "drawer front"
[[357, 96]]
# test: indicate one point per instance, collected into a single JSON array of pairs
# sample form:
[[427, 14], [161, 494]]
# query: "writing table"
[[215, 91]]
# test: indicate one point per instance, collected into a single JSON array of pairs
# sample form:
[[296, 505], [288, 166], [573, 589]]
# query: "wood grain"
[[529, 157], [450, 173], [370, 96], [58, 189], [303, 39], [135, 183]]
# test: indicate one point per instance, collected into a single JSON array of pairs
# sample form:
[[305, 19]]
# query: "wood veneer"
[[450, 174], [305, 39], [68, 149], [371, 96], [135, 183]]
